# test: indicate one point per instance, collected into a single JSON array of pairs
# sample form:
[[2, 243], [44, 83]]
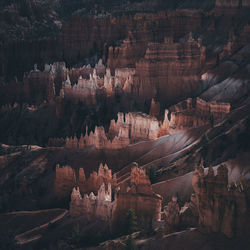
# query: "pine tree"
[[131, 221]]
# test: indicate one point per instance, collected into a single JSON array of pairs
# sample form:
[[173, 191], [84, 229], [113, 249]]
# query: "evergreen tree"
[[131, 222]]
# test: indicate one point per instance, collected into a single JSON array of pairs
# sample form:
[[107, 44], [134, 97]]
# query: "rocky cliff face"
[[221, 208]]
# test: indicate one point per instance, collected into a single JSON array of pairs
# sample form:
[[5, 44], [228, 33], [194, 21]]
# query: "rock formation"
[[38, 86], [136, 195], [189, 216], [193, 113], [162, 64], [221, 208], [155, 108], [128, 128], [172, 217], [65, 180], [91, 206], [96, 179], [91, 81]]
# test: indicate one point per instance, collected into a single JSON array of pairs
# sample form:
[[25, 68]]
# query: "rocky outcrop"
[[95, 81], [189, 216], [155, 108], [193, 113], [39, 86], [129, 128], [134, 127], [136, 195], [96, 179], [148, 28], [66, 178], [64, 182], [91, 206], [221, 208], [168, 62], [171, 212]]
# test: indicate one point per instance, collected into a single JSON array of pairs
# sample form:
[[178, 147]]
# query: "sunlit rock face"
[[98, 81], [136, 195], [66, 178], [129, 128], [221, 208], [193, 113], [91, 206]]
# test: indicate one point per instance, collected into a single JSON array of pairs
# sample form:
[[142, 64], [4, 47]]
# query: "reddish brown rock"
[[162, 65], [138, 196], [172, 217], [91, 206], [221, 208], [193, 113], [130, 128], [155, 108], [65, 180]]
